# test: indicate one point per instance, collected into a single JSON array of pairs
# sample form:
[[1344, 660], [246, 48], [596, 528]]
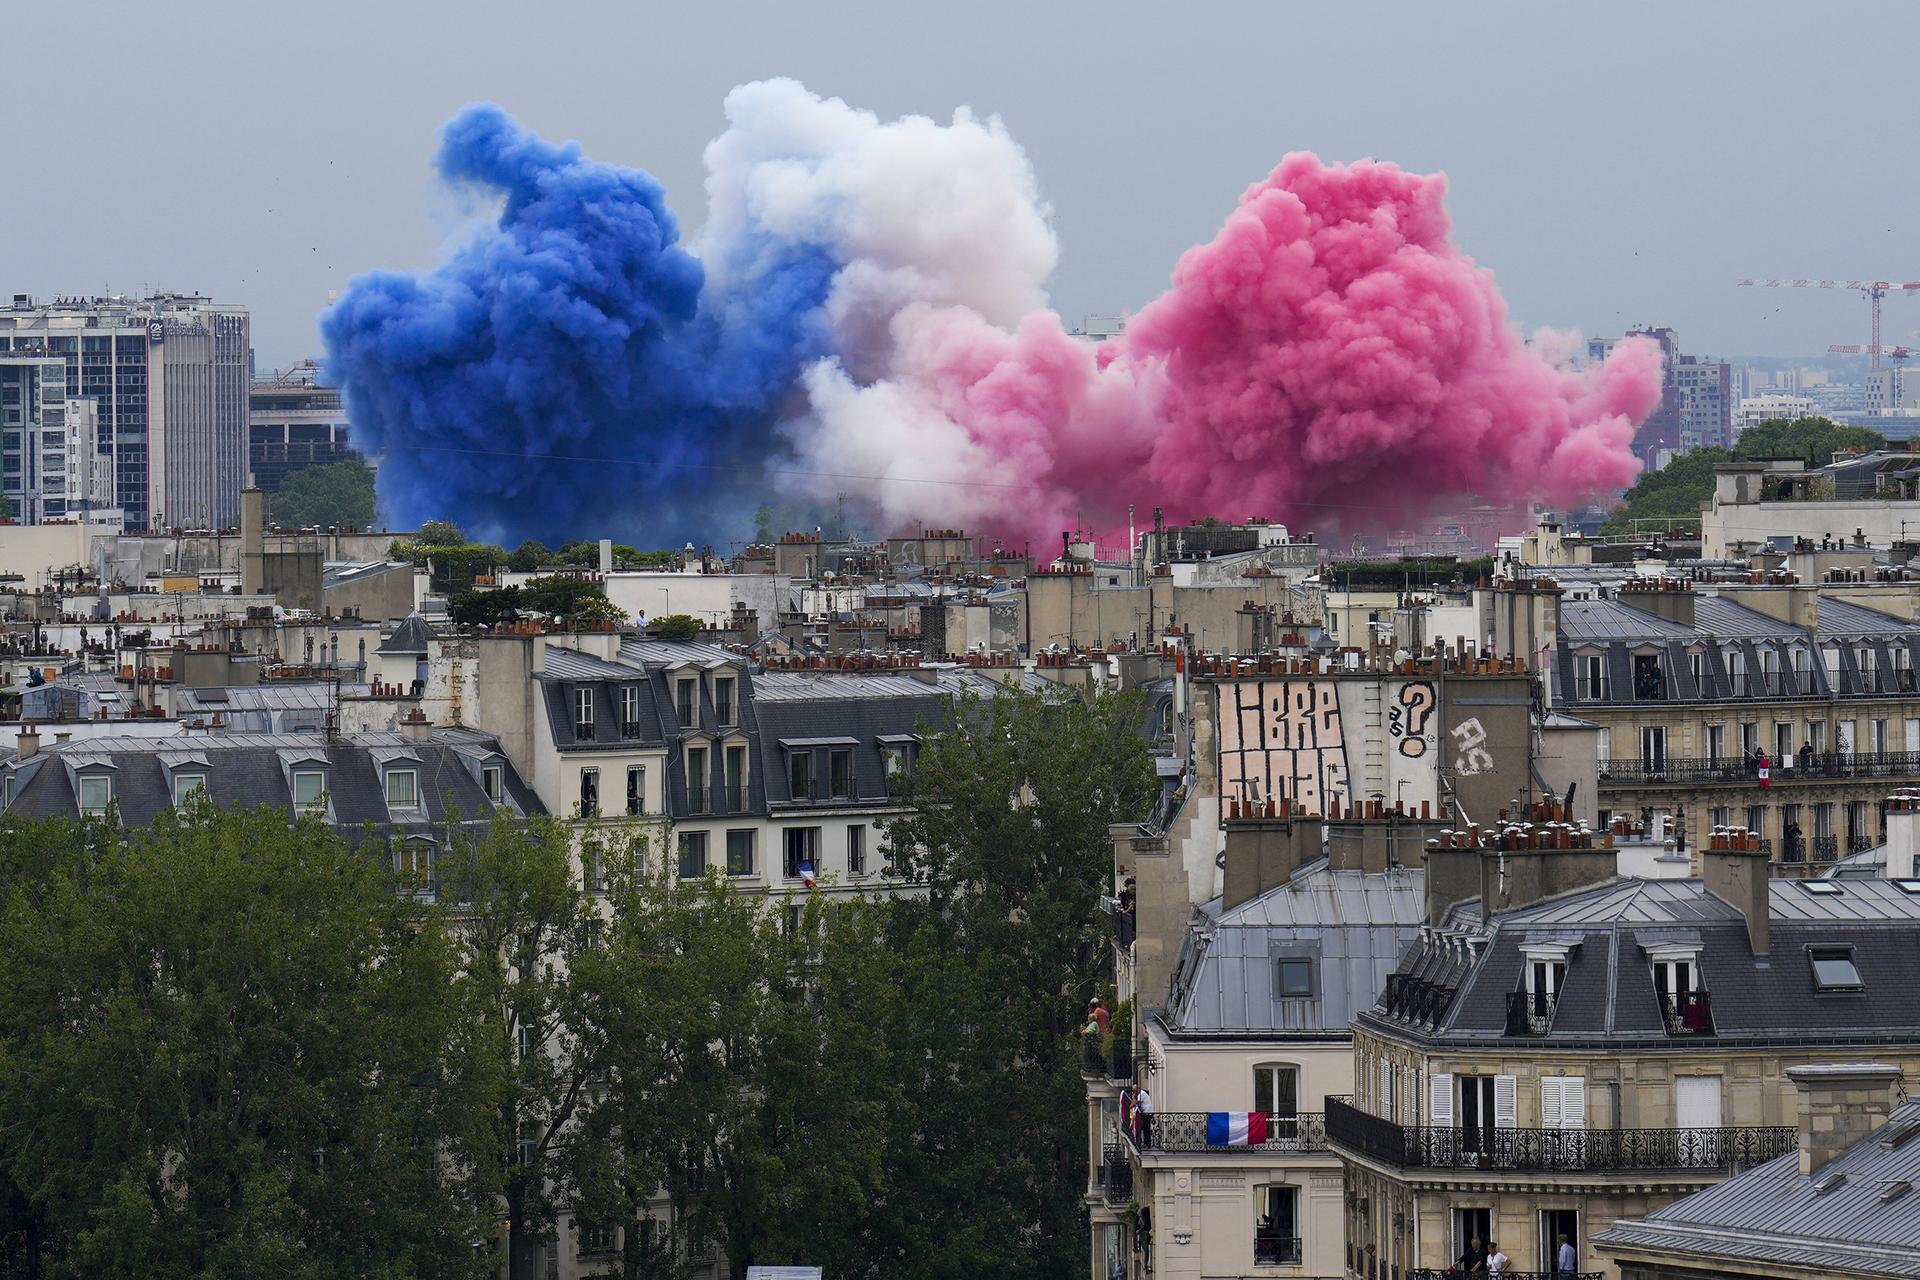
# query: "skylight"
[[1821, 887], [1833, 969], [1908, 886]]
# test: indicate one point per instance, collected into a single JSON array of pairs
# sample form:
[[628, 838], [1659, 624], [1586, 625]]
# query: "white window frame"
[[629, 707], [583, 711], [493, 781], [184, 785], [94, 782], [319, 798], [727, 711], [413, 781]]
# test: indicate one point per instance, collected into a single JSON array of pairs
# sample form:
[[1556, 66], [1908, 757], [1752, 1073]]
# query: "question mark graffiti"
[[1417, 697]]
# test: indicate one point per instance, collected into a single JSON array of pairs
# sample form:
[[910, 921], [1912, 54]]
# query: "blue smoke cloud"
[[565, 373]]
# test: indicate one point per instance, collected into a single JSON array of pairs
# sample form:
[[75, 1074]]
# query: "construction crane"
[[1855, 348], [1874, 289]]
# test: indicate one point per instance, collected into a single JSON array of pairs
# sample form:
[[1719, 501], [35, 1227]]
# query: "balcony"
[[1530, 1013], [1116, 1064], [1271, 1250], [1438, 1273], [1187, 1131], [1688, 1014], [1553, 1150], [1116, 1176], [1674, 770]]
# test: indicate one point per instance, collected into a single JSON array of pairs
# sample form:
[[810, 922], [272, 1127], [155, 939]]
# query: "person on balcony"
[[1473, 1261], [1564, 1263], [1806, 756], [1101, 1019], [1497, 1262], [1143, 1106]]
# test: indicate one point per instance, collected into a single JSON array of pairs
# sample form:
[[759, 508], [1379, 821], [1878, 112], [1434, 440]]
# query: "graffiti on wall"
[[1471, 739], [1317, 740], [1407, 719]]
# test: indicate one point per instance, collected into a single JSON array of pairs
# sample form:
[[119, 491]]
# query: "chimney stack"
[[1841, 1103], [1741, 878], [1264, 851], [27, 744]]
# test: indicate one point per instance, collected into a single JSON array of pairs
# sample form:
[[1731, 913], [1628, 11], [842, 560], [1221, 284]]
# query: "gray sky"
[[1615, 164]]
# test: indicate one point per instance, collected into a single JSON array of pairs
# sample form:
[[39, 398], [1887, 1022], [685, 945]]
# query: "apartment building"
[[1870, 500], [1254, 1029], [51, 464], [1550, 1058], [170, 376], [1691, 684]]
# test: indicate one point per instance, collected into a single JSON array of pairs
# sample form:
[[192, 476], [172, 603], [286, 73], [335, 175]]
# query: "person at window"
[[1091, 1037], [1097, 1011], [1793, 841], [1473, 1260], [1563, 1264], [1143, 1103], [1497, 1262], [1806, 755]]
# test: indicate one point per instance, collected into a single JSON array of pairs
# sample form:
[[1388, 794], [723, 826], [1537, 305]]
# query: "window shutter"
[[1386, 1089], [1573, 1102], [1503, 1102], [1550, 1101], [1440, 1095]]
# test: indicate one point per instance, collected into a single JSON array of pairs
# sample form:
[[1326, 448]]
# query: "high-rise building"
[[294, 422], [1696, 398], [169, 375], [51, 467]]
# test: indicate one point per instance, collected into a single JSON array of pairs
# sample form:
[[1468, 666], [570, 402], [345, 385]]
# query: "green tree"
[[1676, 490], [440, 533], [559, 596], [339, 494], [526, 919], [529, 556], [216, 1040], [675, 626], [1006, 827]]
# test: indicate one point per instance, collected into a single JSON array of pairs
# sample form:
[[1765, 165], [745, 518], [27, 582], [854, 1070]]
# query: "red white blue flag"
[[806, 872], [1236, 1128]]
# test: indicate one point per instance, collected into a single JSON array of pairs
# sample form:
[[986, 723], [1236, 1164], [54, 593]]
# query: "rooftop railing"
[[1553, 1150], [1529, 1013]]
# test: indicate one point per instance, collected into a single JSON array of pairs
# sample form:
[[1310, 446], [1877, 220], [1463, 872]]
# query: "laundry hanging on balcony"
[[1236, 1128]]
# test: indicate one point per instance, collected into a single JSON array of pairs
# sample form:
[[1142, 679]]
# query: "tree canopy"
[[559, 596], [339, 494], [674, 626], [1676, 490]]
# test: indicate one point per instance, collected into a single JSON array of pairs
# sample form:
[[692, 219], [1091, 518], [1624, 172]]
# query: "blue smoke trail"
[[497, 387]]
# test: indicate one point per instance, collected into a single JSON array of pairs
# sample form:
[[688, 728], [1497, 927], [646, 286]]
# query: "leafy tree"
[[339, 494], [529, 556], [675, 626], [557, 596], [1007, 828], [526, 921], [1676, 490], [763, 530], [440, 533], [214, 1034]]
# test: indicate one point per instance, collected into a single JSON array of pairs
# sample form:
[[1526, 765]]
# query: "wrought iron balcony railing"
[[1187, 1131], [1275, 1250], [1553, 1150], [1439, 1273], [1737, 769], [1116, 1175], [1529, 1013], [1688, 1014]]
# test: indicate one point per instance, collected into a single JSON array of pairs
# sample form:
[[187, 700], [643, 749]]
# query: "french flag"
[[1236, 1128], [806, 878]]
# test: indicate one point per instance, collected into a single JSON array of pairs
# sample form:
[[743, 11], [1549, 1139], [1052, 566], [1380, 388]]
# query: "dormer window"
[[184, 786], [1649, 678], [96, 794], [1590, 677], [723, 702], [684, 704], [493, 781], [583, 712], [403, 789], [630, 709], [309, 788], [800, 773]]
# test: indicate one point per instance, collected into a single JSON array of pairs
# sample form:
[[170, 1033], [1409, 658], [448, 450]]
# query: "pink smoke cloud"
[[1330, 357]]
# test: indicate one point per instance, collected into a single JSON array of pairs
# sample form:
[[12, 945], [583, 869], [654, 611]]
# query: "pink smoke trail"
[[1330, 357]]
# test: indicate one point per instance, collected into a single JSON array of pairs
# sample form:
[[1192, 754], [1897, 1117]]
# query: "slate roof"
[[1353, 925], [1774, 1214], [248, 770], [1608, 993], [411, 636]]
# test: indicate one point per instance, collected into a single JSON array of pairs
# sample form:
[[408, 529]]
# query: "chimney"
[[606, 556], [1741, 879], [1903, 837], [416, 725], [1841, 1103], [1263, 853], [28, 743]]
